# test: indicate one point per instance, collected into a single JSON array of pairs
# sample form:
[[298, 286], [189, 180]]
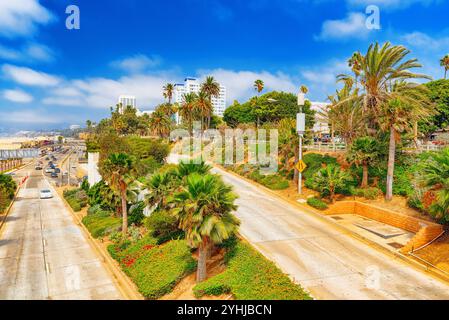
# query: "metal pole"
[[300, 159]]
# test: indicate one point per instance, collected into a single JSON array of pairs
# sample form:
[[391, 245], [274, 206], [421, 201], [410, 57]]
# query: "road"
[[316, 254], [43, 253]]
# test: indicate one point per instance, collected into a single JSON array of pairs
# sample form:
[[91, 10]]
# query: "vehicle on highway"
[[47, 158], [54, 175], [57, 170], [46, 194], [38, 167], [49, 170]]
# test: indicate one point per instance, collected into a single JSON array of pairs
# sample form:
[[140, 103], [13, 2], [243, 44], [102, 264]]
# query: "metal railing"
[[341, 147]]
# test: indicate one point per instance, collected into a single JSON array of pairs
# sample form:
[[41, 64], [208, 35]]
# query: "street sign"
[[300, 166]]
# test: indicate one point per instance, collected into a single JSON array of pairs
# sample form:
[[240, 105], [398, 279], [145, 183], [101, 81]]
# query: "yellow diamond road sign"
[[301, 166]]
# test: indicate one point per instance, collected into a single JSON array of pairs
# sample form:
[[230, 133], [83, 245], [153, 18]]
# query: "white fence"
[[341, 147]]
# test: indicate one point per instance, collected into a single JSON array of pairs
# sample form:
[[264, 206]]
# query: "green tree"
[[439, 95], [239, 113], [444, 62], [212, 89], [384, 72], [188, 109], [160, 123], [434, 174], [117, 170], [364, 152], [204, 208], [168, 91], [161, 186], [329, 179], [204, 108], [259, 86]]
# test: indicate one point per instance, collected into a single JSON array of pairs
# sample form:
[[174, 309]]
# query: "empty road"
[[43, 253], [327, 262]]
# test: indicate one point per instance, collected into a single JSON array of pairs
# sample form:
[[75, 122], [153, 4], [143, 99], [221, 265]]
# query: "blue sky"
[[51, 77]]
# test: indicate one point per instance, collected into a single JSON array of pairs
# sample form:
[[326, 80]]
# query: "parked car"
[[46, 194], [54, 175]]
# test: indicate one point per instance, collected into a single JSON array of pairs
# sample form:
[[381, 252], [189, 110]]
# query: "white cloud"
[[29, 76], [353, 26], [137, 63], [391, 4], [29, 53], [29, 117], [39, 52], [424, 41], [21, 17], [18, 96], [240, 84]]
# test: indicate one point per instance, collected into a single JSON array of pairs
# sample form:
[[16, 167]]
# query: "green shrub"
[[155, 269], [101, 223], [76, 206], [315, 162], [135, 215], [163, 226], [76, 198], [274, 182], [317, 203], [250, 276], [367, 193]]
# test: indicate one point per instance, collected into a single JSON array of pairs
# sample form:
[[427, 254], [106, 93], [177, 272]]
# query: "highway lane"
[[44, 255], [327, 262]]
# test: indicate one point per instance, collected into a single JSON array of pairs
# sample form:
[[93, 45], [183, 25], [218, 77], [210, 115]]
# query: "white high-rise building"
[[125, 101], [192, 85]]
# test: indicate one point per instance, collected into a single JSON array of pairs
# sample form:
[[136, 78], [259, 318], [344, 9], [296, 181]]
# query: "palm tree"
[[187, 168], [409, 104], [188, 108], [288, 139], [117, 170], [355, 64], [329, 179], [434, 174], [212, 90], [203, 106], [345, 113], [160, 123], [160, 186], [168, 91], [444, 62], [304, 89], [204, 208], [363, 152], [380, 70], [259, 86]]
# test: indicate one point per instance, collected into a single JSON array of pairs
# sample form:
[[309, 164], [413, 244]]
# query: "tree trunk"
[[124, 215], [332, 196], [365, 176], [201, 272], [391, 159]]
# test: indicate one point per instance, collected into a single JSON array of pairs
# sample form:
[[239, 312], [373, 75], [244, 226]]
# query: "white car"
[[49, 170], [46, 194]]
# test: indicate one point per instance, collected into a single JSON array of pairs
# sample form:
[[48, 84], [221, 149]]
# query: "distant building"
[[75, 127], [321, 125], [192, 85], [141, 113], [125, 101]]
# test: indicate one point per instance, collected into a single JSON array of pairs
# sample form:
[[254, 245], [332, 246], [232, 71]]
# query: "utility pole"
[[301, 129]]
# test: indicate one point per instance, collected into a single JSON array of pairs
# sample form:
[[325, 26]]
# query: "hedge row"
[[250, 276], [76, 198], [101, 223], [271, 181], [155, 269]]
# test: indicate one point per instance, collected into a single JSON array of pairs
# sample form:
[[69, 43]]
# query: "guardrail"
[[341, 147]]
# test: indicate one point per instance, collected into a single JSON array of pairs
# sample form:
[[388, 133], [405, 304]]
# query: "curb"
[[123, 283], [6, 213], [432, 271]]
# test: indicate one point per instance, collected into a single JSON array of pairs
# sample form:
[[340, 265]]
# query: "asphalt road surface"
[[316, 254], [43, 253]]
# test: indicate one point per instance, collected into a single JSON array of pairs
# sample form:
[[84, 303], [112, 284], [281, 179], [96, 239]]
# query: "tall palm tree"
[[363, 152], [444, 62], [259, 86], [204, 208], [160, 123], [355, 64], [212, 90], [409, 104], [117, 170], [160, 186], [203, 106], [168, 91], [188, 108], [380, 69]]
